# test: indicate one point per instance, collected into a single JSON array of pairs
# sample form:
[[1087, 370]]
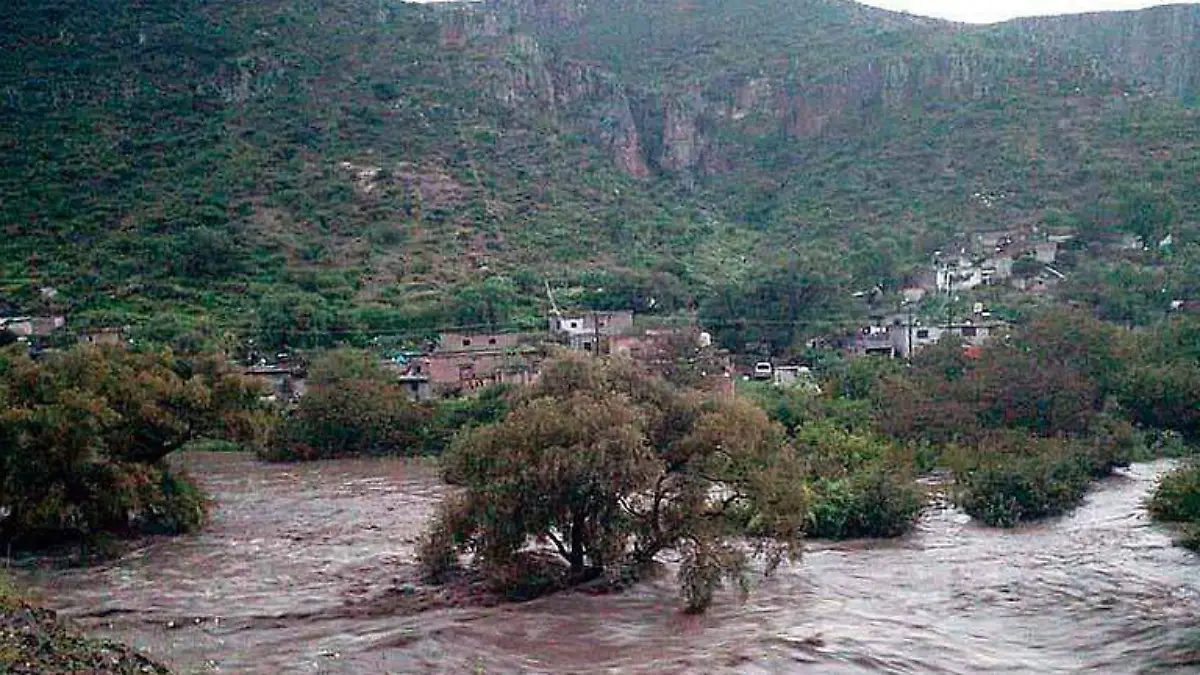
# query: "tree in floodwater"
[[83, 435], [609, 468]]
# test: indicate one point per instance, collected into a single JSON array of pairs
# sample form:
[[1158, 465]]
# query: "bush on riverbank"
[[1014, 477], [860, 485], [33, 641], [84, 434], [353, 407], [1177, 500]]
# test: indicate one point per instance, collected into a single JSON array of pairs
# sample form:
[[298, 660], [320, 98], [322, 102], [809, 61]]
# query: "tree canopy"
[[609, 468]]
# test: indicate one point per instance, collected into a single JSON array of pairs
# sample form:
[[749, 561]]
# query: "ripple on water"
[[265, 589]]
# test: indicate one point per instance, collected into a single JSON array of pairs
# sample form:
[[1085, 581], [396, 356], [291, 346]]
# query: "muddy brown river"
[[271, 586]]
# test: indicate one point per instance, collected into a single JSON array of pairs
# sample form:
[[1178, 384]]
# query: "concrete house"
[[1046, 252], [908, 340], [996, 269], [282, 380], [31, 326], [470, 361], [104, 336], [583, 331]]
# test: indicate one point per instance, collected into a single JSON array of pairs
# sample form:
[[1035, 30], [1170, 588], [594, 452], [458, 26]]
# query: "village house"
[[901, 335], [283, 380], [795, 377], [31, 326], [109, 335], [413, 375], [470, 361], [999, 268], [997, 240], [417, 386], [958, 275], [590, 331], [913, 294], [1045, 252]]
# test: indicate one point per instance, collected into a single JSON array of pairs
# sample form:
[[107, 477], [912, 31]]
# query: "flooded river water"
[[270, 585]]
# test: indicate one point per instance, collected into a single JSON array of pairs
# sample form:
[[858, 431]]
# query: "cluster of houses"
[[33, 329], [901, 335], [461, 362], [996, 258]]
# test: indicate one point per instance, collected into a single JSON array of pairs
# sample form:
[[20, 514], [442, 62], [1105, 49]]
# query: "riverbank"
[[35, 641]]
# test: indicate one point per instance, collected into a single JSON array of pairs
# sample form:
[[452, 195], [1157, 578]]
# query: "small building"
[[907, 340], [32, 326], [108, 335], [1046, 252], [795, 376], [417, 386], [913, 294], [997, 239], [996, 269], [283, 381], [470, 361], [874, 341], [589, 331], [487, 342]]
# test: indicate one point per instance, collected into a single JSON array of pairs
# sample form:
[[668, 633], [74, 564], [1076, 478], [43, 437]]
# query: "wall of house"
[[477, 369], [462, 342]]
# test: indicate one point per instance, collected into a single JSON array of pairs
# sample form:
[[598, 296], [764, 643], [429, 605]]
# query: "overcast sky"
[[986, 11]]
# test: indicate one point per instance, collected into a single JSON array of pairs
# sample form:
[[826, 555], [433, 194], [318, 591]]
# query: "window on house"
[[923, 334], [491, 341], [466, 342], [602, 324], [574, 324], [587, 346], [968, 331]]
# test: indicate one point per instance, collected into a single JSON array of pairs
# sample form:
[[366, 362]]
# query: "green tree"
[[611, 468], [1147, 212], [353, 406], [83, 435]]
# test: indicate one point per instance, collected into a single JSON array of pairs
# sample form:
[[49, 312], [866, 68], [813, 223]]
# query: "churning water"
[[291, 575]]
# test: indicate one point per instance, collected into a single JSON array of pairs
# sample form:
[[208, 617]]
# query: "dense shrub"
[[874, 503], [1011, 478], [458, 414], [84, 434], [353, 407], [860, 485], [1177, 500]]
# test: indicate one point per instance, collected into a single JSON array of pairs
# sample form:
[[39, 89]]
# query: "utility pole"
[[909, 348], [596, 329]]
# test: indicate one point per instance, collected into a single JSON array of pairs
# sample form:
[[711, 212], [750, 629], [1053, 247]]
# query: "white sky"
[[988, 11]]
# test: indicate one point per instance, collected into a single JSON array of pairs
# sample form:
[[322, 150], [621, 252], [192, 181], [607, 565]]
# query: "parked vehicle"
[[762, 370]]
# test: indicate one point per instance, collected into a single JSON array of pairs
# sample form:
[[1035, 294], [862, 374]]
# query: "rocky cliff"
[[875, 63]]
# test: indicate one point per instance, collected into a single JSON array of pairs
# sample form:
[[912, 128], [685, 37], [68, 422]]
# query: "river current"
[[279, 580]]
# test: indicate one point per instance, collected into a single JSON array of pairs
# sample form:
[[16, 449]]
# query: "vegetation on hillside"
[[318, 173]]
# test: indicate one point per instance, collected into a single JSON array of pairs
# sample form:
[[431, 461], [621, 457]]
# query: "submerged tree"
[[610, 468], [83, 435]]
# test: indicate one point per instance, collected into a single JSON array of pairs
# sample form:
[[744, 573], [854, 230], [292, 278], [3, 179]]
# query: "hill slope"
[[303, 171]]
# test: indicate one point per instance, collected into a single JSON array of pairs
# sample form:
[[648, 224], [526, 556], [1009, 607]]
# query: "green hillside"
[[309, 171]]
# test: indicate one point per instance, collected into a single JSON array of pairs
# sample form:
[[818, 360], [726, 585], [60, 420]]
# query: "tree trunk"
[[577, 525]]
